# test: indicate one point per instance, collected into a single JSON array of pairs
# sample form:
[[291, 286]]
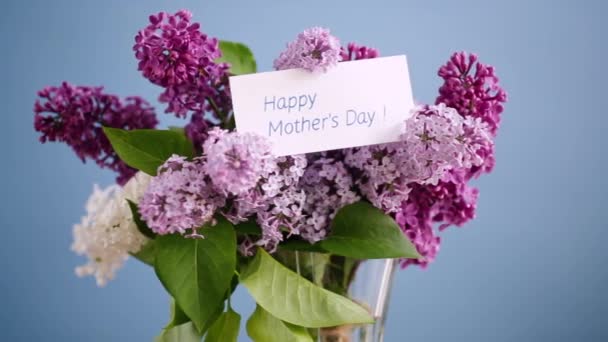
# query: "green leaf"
[[295, 300], [239, 56], [178, 316], [225, 328], [197, 272], [248, 228], [182, 333], [141, 225], [362, 231], [147, 149], [264, 327], [147, 253], [177, 129]]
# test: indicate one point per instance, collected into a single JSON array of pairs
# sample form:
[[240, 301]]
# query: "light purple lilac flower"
[[276, 203], [180, 199], [315, 50], [75, 115], [235, 161], [285, 201], [329, 187], [438, 139], [380, 178]]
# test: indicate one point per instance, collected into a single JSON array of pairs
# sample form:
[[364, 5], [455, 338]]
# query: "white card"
[[356, 103]]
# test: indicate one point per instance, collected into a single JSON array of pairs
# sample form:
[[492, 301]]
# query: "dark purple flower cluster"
[[354, 52], [174, 54], [472, 89], [75, 115]]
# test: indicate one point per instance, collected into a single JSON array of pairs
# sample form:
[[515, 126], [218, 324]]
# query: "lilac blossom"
[[75, 115], [472, 89], [180, 199], [315, 50], [173, 51], [276, 203], [235, 161], [354, 52], [175, 54], [329, 187], [380, 179], [414, 221]]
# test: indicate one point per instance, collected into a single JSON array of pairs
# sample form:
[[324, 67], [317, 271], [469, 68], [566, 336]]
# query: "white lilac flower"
[[107, 234]]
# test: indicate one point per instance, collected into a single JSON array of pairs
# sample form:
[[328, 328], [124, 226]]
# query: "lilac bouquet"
[[211, 208]]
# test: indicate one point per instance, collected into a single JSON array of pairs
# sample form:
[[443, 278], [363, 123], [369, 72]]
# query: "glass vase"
[[367, 282]]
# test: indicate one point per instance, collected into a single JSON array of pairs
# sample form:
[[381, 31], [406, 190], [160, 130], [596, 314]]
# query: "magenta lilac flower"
[[472, 89], [354, 52], [235, 162], [414, 220], [172, 51], [315, 50], [75, 115], [180, 199], [175, 54]]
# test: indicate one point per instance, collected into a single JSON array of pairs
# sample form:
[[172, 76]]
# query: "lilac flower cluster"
[[235, 161], [180, 198], [236, 177], [75, 115], [315, 50], [354, 52], [472, 89], [172, 51], [328, 186], [421, 180], [174, 54], [435, 141]]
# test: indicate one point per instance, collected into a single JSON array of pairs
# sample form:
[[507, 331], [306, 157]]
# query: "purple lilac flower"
[[172, 51], [476, 95], [276, 203], [176, 55], [436, 140], [380, 179], [197, 130], [315, 50], [75, 115], [285, 200], [328, 186], [472, 89], [354, 52], [180, 198], [416, 225], [235, 162]]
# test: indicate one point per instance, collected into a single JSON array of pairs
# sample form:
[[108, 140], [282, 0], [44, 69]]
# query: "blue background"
[[531, 267]]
